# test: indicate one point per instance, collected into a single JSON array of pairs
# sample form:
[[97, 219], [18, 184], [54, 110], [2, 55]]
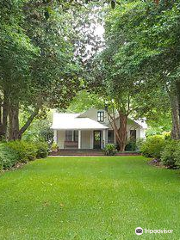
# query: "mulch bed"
[[157, 163]]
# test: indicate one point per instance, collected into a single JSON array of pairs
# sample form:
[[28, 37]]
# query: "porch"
[[80, 139]]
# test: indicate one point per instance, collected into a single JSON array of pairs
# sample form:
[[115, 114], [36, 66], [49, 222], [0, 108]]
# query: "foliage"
[[42, 149], [169, 152], [131, 146], [14, 152], [140, 61], [170, 155], [153, 146], [26, 150], [177, 154], [110, 150], [116, 73], [43, 72], [8, 157], [39, 130], [54, 147], [85, 100], [139, 143]]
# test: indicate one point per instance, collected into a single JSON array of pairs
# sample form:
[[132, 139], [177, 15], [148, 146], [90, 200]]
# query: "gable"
[[92, 113]]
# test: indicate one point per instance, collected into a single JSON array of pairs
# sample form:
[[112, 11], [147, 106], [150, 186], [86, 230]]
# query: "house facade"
[[90, 130]]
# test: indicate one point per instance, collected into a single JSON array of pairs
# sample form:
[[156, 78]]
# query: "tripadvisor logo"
[[139, 231]]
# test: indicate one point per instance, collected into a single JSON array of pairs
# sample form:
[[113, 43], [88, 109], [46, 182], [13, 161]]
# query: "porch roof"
[[71, 122]]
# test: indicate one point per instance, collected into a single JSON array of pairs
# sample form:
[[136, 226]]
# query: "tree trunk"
[[175, 113], [14, 121], [29, 121], [121, 133], [14, 132], [4, 115], [1, 123], [122, 139]]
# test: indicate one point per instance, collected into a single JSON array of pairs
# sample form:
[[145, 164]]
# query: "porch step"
[[88, 152], [78, 152]]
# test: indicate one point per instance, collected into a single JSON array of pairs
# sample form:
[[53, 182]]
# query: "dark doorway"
[[133, 135], [97, 140]]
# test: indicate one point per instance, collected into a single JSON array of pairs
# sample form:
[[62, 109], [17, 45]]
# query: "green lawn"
[[98, 198]]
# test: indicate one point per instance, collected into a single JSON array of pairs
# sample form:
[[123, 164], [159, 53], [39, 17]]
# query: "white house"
[[90, 130]]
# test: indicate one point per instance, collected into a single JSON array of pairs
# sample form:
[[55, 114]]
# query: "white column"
[[92, 139], [55, 136], [79, 139], [104, 139]]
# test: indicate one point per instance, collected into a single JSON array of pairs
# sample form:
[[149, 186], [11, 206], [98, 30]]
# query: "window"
[[68, 136], [110, 136], [71, 136], [100, 116]]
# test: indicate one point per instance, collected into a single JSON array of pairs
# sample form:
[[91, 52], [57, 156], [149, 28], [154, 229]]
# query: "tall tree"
[[142, 51], [37, 65]]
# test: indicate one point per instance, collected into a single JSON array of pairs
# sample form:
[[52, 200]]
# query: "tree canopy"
[[49, 51], [37, 64], [137, 71]]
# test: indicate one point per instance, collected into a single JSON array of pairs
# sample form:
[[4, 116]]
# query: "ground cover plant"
[[89, 198]]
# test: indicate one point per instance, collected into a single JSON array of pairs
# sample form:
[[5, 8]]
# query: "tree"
[[159, 46], [143, 48], [37, 70], [84, 100]]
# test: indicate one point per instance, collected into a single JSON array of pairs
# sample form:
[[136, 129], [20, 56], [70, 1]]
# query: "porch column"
[[79, 139], [104, 139], [55, 136], [92, 139]]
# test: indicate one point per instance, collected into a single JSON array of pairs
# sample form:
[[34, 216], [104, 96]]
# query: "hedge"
[[153, 146], [8, 157], [15, 152], [162, 149]]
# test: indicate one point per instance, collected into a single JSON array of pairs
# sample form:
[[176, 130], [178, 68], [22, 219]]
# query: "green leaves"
[[38, 68]]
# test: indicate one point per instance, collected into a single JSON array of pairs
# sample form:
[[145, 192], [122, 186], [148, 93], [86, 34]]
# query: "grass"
[[89, 198]]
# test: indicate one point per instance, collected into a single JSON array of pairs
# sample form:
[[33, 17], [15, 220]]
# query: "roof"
[[142, 123], [64, 121]]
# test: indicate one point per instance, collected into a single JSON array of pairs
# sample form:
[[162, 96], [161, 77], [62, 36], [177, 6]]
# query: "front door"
[[97, 140]]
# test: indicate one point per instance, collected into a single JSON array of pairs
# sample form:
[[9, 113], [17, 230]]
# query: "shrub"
[[54, 147], [131, 146], [167, 135], [176, 153], [42, 149], [8, 157], [139, 143], [21, 151], [110, 150], [168, 154], [153, 146], [26, 151]]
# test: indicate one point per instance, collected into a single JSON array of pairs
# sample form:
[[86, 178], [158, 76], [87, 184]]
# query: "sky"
[[99, 30]]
